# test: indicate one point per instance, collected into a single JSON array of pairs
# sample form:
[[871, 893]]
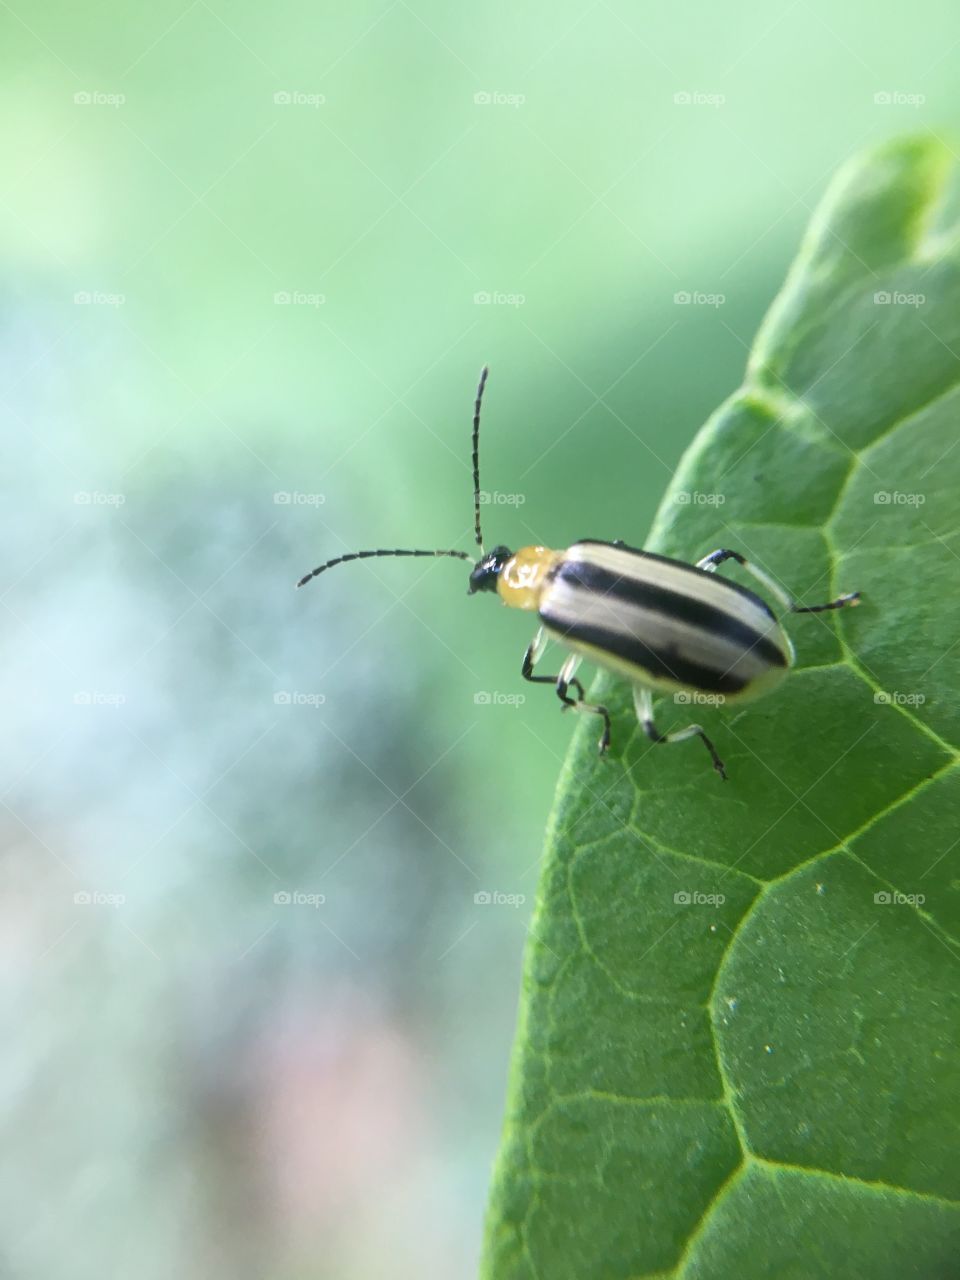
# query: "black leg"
[[527, 672], [851, 598], [563, 683]]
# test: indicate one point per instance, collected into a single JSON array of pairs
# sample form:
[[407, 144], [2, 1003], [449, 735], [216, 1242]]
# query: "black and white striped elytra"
[[662, 625]]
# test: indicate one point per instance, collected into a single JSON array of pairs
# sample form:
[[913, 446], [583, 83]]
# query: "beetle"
[[663, 625]]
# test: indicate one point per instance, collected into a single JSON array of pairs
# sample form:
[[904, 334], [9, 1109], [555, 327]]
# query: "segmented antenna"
[[366, 555], [476, 456], [457, 555]]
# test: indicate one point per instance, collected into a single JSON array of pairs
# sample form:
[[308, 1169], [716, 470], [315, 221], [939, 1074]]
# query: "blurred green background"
[[253, 258]]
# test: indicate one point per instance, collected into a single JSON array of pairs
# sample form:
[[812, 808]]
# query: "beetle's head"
[[484, 574]]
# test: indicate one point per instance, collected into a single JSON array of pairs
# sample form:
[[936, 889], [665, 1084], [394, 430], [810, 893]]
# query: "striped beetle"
[[661, 624]]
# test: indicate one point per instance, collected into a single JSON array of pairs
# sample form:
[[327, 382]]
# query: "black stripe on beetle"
[[667, 606]]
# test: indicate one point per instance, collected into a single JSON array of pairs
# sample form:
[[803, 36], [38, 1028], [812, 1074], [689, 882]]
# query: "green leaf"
[[768, 1086]]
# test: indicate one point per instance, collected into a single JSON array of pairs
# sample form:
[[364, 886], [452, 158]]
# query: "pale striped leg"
[[643, 701], [533, 655], [565, 679], [715, 558]]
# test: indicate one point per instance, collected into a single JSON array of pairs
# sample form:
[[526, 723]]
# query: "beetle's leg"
[[717, 557], [565, 680], [643, 701], [533, 655], [850, 599]]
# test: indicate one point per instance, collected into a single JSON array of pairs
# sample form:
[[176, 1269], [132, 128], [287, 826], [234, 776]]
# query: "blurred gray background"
[[255, 1023]]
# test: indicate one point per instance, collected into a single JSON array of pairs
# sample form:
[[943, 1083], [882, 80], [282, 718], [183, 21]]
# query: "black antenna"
[[476, 455], [366, 555], [457, 555]]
